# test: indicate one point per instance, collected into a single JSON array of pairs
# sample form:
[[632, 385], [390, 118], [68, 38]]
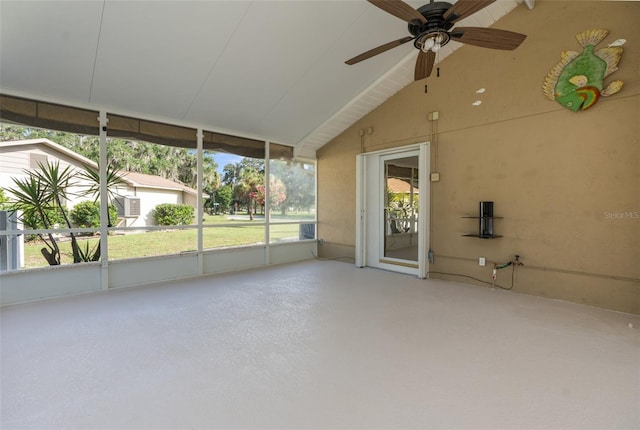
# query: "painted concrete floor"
[[317, 345]]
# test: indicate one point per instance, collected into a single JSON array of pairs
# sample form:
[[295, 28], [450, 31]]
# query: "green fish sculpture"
[[577, 81]]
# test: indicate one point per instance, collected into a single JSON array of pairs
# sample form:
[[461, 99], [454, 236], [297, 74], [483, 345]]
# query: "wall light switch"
[[435, 177], [482, 261]]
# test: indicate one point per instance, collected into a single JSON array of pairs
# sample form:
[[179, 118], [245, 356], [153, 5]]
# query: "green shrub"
[[33, 221], [173, 214], [87, 214], [4, 200]]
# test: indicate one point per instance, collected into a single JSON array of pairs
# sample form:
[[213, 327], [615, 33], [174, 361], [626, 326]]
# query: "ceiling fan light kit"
[[431, 28]]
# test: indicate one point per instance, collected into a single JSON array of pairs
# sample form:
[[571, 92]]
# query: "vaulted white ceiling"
[[272, 70]]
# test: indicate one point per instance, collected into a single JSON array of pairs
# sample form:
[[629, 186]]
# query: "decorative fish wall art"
[[577, 81]]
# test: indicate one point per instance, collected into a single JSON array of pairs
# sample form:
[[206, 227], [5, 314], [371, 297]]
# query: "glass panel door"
[[401, 208], [392, 209]]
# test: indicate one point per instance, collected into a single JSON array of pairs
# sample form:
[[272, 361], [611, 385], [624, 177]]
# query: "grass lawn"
[[145, 244]]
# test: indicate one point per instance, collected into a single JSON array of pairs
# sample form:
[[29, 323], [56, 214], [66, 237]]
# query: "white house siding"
[[15, 160], [149, 199], [190, 199]]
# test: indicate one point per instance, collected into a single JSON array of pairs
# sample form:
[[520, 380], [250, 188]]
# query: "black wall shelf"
[[495, 236], [485, 222]]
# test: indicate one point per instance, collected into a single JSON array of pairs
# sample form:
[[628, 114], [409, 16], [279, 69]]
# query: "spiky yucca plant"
[[29, 197], [114, 180], [43, 192]]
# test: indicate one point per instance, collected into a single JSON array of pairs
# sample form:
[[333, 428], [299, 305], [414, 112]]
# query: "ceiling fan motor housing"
[[436, 24], [431, 26]]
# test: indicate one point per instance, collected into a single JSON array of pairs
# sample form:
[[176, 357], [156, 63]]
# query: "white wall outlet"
[[435, 177], [482, 261]]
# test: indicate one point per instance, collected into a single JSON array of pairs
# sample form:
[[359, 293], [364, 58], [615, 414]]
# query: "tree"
[[223, 198], [248, 187], [177, 164], [299, 182], [244, 177], [231, 174], [277, 193]]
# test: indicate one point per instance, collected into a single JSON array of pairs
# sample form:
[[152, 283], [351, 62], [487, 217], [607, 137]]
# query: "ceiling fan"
[[431, 28]]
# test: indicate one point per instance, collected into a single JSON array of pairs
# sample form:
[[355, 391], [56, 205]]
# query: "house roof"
[[267, 70], [396, 185], [151, 181]]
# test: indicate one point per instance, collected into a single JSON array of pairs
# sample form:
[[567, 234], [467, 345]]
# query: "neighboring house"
[[141, 193], [19, 157], [152, 191], [400, 186]]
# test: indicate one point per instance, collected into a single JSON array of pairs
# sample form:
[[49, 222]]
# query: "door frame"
[[366, 256]]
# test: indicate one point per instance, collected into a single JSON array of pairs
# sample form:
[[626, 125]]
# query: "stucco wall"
[[560, 179]]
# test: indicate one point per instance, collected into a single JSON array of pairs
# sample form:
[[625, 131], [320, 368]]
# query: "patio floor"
[[317, 344]]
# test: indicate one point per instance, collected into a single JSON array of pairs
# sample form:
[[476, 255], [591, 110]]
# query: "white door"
[[392, 226]]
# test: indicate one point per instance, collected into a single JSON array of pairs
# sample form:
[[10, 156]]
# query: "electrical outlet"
[[482, 261], [435, 177]]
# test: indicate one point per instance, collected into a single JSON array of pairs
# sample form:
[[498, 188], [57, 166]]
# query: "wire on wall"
[[493, 284], [315, 257], [496, 268]]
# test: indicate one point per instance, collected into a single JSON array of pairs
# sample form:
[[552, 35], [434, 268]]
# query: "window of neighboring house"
[[36, 159]]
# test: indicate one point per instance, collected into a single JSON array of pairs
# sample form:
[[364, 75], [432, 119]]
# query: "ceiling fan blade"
[[464, 8], [488, 37], [424, 65], [379, 50], [399, 9]]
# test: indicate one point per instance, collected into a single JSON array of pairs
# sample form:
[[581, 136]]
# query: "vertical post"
[[104, 203], [424, 201], [316, 233], [267, 202], [200, 205], [360, 211]]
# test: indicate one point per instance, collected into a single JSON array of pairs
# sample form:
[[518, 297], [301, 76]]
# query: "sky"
[[223, 159]]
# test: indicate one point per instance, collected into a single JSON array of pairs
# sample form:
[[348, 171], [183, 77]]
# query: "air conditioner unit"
[[11, 246], [128, 207]]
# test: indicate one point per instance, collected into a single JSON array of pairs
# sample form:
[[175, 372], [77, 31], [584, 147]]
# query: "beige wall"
[[557, 177]]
